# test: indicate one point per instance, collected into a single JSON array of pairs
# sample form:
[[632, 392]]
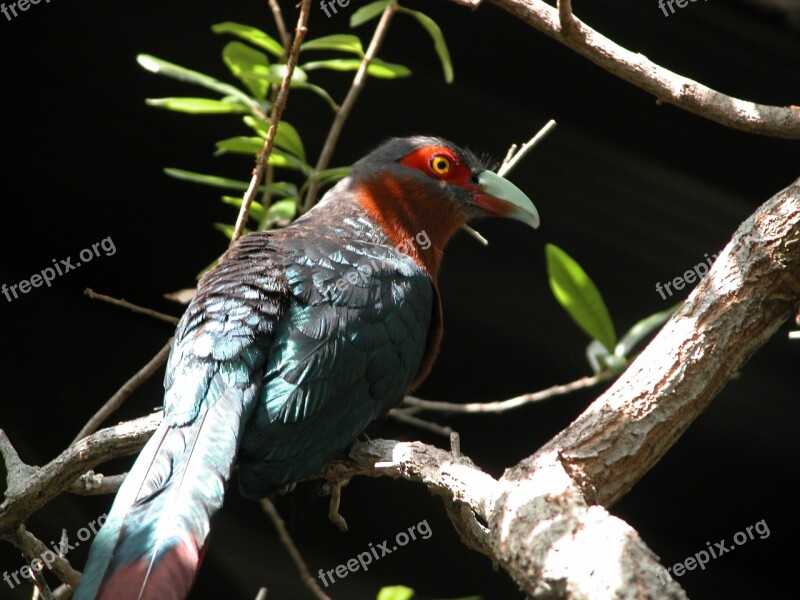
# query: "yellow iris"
[[440, 164]]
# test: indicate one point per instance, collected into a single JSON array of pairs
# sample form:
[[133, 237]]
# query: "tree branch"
[[26, 495], [133, 307], [274, 120], [502, 406], [113, 403], [343, 112], [669, 87], [544, 521]]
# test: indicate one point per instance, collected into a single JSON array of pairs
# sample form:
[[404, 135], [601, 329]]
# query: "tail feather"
[[152, 542]]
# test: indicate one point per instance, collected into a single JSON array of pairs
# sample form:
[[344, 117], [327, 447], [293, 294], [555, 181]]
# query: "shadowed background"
[[636, 192]]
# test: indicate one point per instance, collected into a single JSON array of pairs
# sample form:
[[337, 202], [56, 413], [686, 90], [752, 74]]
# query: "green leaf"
[[252, 35], [276, 73], [197, 106], [257, 211], [318, 91], [342, 42], [368, 12], [242, 60], [286, 138], [279, 214], [438, 41], [576, 292], [253, 145], [260, 126], [377, 67], [395, 592], [642, 329], [228, 229], [327, 176], [211, 180], [168, 69], [240, 145]]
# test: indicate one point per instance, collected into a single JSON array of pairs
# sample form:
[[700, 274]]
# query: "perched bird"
[[294, 343]]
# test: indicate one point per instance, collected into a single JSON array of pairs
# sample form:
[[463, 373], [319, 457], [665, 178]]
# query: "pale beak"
[[502, 198]]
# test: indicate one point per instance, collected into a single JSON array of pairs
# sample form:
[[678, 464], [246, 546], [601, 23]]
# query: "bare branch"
[[44, 483], [280, 24], [96, 484], [113, 403], [32, 548], [404, 416], [512, 403], [135, 308], [274, 120], [475, 234], [291, 547], [343, 112], [666, 86], [544, 519], [752, 288], [513, 156], [565, 17]]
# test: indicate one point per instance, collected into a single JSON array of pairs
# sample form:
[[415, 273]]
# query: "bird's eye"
[[440, 164]]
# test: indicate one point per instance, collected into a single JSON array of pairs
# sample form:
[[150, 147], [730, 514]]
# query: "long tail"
[[152, 542]]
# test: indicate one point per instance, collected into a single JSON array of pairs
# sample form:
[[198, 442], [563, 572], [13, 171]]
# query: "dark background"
[[636, 192]]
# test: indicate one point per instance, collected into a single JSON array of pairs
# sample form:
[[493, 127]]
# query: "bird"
[[294, 343]]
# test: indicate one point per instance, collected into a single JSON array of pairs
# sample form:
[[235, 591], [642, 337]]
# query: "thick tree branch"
[[669, 87], [544, 520], [752, 289]]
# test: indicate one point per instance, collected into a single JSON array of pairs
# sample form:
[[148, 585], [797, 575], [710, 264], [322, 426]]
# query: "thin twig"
[[565, 15], [286, 540], [113, 403], [96, 484], [512, 403], [335, 504], [475, 234], [666, 86], [512, 158], [404, 417], [274, 120], [32, 547], [133, 307], [512, 149], [344, 110], [274, 88], [277, 14]]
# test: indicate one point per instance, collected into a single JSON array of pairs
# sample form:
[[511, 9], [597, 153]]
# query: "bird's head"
[[428, 186]]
